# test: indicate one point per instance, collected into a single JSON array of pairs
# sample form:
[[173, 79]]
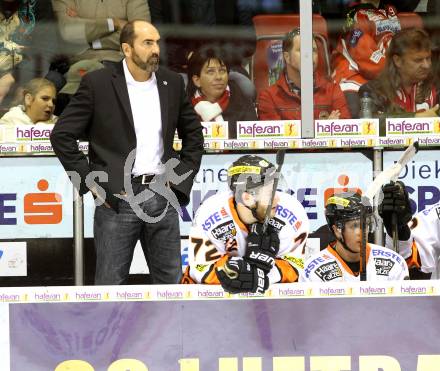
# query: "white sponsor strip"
[[269, 129], [209, 292], [428, 140], [349, 133], [249, 144], [413, 126], [258, 143], [215, 130], [360, 128], [9, 148], [29, 133]]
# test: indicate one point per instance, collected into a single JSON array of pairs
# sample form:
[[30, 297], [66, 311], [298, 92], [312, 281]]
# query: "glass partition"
[[321, 76]]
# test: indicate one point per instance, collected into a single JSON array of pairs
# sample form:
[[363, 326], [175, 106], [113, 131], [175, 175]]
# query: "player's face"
[[352, 235], [213, 79], [41, 106], [263, 197], [293, 58], [414, 66], [145, 51]]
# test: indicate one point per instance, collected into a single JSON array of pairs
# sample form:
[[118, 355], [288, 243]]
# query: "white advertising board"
[[36, 195], [421, 177]]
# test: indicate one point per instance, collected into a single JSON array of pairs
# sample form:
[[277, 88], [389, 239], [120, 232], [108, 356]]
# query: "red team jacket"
[[279, 102], [360, 53]]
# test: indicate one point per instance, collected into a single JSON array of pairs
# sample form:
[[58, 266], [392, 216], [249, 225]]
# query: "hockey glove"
[[261, 249], [238, 276], [396, 201]]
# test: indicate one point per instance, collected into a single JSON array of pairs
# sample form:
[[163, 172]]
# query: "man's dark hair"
[[288, 39], [405, 41], [127, 33]]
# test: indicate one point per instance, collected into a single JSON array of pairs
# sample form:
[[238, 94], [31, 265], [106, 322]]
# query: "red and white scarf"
[[407, 101], [210, 111]]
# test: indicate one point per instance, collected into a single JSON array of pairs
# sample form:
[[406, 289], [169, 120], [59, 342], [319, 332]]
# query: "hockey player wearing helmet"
[[340, 261], [228, 246], [418, 236]]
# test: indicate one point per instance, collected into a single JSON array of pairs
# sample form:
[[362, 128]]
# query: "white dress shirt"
[[145, 107]]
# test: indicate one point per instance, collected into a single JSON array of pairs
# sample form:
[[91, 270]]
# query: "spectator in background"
[[405, 87], [17, 21], [213, 95], [37, 106], [360, 53], [73, 78], [95, 25], [435, 59], [282, 101]]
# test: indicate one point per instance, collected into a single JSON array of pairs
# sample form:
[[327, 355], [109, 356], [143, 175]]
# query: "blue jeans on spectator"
[[116, 235]]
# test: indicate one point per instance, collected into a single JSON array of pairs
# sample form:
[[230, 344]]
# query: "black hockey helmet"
[[249, 172], [343, 207]]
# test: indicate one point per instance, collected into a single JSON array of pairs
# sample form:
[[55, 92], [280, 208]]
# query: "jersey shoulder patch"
[[354, 37]]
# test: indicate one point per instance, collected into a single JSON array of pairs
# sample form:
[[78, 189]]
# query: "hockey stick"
[[363, 262], [390, 175], [280, 162], [392, 172]]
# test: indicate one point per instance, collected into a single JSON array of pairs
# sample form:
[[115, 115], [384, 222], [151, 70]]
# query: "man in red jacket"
[[282, 101], [360, 54]]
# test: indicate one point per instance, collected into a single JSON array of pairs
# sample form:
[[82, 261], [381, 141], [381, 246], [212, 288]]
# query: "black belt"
[[144, 179]]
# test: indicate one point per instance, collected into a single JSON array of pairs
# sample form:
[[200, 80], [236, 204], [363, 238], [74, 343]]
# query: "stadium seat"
[[410, 19], [267, 62]]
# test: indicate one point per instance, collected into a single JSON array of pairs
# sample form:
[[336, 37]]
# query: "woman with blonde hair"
[[37, 106]]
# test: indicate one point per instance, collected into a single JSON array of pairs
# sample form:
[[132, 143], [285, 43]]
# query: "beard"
[[150, 65]]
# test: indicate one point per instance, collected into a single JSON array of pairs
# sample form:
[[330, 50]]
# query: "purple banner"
[[364, 333]]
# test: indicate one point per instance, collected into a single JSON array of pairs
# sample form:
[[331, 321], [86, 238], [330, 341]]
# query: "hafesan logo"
[[290, 129], [437, 126], [368, 128]]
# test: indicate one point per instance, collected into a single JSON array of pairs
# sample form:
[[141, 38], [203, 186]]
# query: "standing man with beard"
[[129, 115]]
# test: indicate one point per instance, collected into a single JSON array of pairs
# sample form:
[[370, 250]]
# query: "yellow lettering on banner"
[[252, 364], [428, 362], [330, 363], [288, 364], [375, 363], [228, 364], [127, 364], [74, 365], [189, 364]]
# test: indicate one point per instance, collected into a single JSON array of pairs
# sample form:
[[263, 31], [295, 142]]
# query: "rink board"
[[198, 328]]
